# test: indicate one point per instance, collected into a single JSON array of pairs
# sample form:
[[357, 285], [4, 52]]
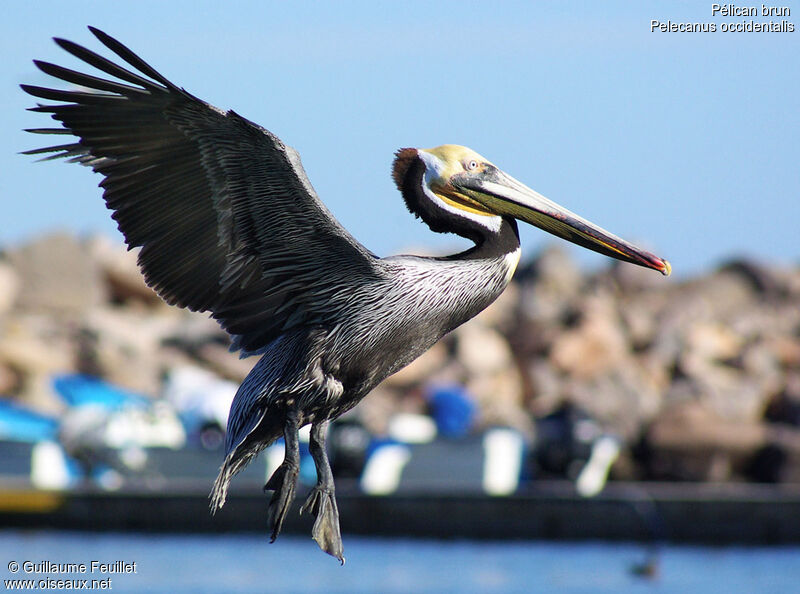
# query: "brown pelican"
[[228, 223]]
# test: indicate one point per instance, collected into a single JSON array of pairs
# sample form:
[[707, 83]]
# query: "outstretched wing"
[[223, 211]]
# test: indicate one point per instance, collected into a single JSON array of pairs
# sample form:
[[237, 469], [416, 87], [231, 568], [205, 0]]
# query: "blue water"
[[237, 564]]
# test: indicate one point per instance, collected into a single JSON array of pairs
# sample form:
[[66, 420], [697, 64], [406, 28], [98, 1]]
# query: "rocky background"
[[699, 378]]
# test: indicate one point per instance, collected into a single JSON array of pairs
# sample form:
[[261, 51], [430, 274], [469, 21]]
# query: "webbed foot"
[[283, 482], [321, 503]]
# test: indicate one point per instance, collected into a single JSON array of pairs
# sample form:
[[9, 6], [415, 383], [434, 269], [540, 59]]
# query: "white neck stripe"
[[433, 169]]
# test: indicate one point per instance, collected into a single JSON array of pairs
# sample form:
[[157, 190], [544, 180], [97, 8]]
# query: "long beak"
[[504, 195]]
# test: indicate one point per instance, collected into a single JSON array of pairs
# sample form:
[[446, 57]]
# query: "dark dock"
[[718, 514]]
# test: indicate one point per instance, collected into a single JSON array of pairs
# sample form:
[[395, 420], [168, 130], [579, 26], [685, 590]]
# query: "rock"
[[9, 286], [554, 271], [784, 405], [712, 341], [690, 442], [37, 392], [10, 381], [32, 346], [124, 344], [482, 350], [785, 350], [708, 367], [639, 322], [790, 279], [761, 364], [377, 408], [735, 398], [730, 394], [547, 284], [546, 391], [227, 364], [124, 281], [629, 278], [719, 296], [621, 400], [765, 281], [502, 313], [193, 329], [499, 396], [57, 273], [764, 320], [452, 373], [716, 299], [421, 368], [596, 346]]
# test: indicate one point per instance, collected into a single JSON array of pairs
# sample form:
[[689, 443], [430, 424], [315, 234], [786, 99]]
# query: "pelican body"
[[228, 222]]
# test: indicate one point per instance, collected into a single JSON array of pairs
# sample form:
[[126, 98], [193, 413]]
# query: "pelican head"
[[454, 189]]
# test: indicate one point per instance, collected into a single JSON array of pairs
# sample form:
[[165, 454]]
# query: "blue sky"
[[686, 143]]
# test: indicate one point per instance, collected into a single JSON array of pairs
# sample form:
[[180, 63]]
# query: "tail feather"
[[233, 464], [262, 435], [256, 419]]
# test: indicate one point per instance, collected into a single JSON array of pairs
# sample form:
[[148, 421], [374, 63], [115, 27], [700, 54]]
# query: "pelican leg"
[[321, 501], [284, 480]]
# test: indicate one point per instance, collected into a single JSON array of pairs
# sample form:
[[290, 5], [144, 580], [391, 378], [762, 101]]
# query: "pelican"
[[228, 223]]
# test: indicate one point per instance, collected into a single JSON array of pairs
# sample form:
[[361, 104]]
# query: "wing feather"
[[223, 211]]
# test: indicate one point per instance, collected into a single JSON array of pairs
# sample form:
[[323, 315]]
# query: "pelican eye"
[[471, 165]]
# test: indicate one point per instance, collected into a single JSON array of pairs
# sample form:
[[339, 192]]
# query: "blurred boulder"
[[123, 279], [421, 369], [219, 358], [9, 379], [481, 349], [502, 314], [32, 349], [638, 321], [547, 283], [766, 282], [785, 349], [9, 286], [596, 345], [711, 341], [630, 278], [499, 396], [621, 400], [124, 344], [690, 442], [706, 368], [57, 273]]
